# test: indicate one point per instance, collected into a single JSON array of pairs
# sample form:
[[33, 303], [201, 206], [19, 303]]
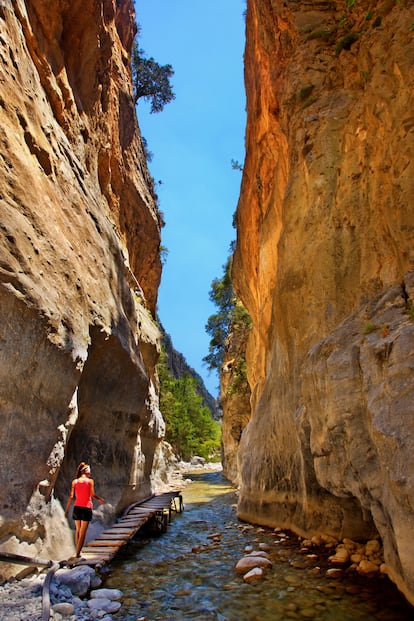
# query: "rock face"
[[234, 398], [323, 264], [179, 367], [79, 269]]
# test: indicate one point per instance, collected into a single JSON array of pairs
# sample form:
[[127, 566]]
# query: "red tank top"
[[83, 494]]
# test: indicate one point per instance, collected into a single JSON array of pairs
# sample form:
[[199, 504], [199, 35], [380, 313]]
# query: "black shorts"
[[82, 513]]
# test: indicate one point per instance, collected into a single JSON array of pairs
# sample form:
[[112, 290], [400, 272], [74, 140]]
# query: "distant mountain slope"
[[179, 366]]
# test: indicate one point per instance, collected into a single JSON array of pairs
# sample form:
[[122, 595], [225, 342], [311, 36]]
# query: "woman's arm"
[[93, 494], [71, 495]]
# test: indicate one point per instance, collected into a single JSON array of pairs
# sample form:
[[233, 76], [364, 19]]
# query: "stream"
[[188, 572]]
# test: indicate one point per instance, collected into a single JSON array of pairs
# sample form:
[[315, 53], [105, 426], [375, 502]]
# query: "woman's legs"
[[81, 528]]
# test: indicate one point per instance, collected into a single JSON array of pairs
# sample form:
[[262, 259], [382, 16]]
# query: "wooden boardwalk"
[[106, 545]]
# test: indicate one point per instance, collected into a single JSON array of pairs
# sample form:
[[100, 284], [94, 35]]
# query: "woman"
[[83, 490]]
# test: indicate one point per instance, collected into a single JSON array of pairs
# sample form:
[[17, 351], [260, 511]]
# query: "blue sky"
[[193, 141]]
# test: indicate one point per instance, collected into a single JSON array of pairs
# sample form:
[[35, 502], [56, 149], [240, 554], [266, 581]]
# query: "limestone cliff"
[[79, 269], [234, 395], [323, 264]]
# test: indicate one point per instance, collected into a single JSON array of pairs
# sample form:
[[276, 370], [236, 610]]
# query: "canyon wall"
[[324, 265], [79, 270]]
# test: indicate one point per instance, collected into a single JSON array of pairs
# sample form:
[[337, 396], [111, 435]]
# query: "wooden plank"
[[105, 542], [117, 532], [98, 555], [113, 536], [103, 549]]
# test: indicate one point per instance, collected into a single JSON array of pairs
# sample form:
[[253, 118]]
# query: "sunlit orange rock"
[[79, 269], [324, 264]]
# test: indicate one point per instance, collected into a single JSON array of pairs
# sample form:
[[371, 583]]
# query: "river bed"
[[188, 572]]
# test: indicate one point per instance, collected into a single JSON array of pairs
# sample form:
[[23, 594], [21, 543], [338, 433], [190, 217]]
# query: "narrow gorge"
[[322, 441]]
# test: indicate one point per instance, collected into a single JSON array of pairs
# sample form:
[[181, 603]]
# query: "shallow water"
[[188, 574]]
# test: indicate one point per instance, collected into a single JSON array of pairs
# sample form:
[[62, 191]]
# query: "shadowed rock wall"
[[323, 265], [79, 269]]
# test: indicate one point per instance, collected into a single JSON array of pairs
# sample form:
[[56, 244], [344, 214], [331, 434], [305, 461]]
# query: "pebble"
[[249, 562], [254, 574], [334, 573], [64, 609]]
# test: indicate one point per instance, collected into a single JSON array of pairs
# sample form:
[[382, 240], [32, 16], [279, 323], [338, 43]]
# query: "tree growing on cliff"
[[231, 315], [151, 81]]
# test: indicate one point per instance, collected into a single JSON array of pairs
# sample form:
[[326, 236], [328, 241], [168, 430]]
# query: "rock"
[[64, 609], [350, 545], [308, 613], [372, 547], [367, 568], [248, 562], [264, 546], [317, 540], [78, 579], [80, 268], [293, 580], [254, 574], [261, 553], [103, 603], [334, 573], [326, 280], [113, 594], [196, 460], [341, 557]]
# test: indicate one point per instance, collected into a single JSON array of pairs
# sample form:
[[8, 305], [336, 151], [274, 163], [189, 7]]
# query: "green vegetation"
[[218, 326], [346, 42], [190, 427], [231, 320], [369, 327], [410, 312], [231, 314], [151, 81], [239, 384], [306, 91], [235, 164]]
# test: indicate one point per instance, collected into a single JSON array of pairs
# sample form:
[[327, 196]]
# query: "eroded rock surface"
[[324, 265], [79, 269]]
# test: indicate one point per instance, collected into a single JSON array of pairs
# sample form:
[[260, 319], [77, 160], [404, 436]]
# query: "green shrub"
[[369, 327], [346, 42]]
